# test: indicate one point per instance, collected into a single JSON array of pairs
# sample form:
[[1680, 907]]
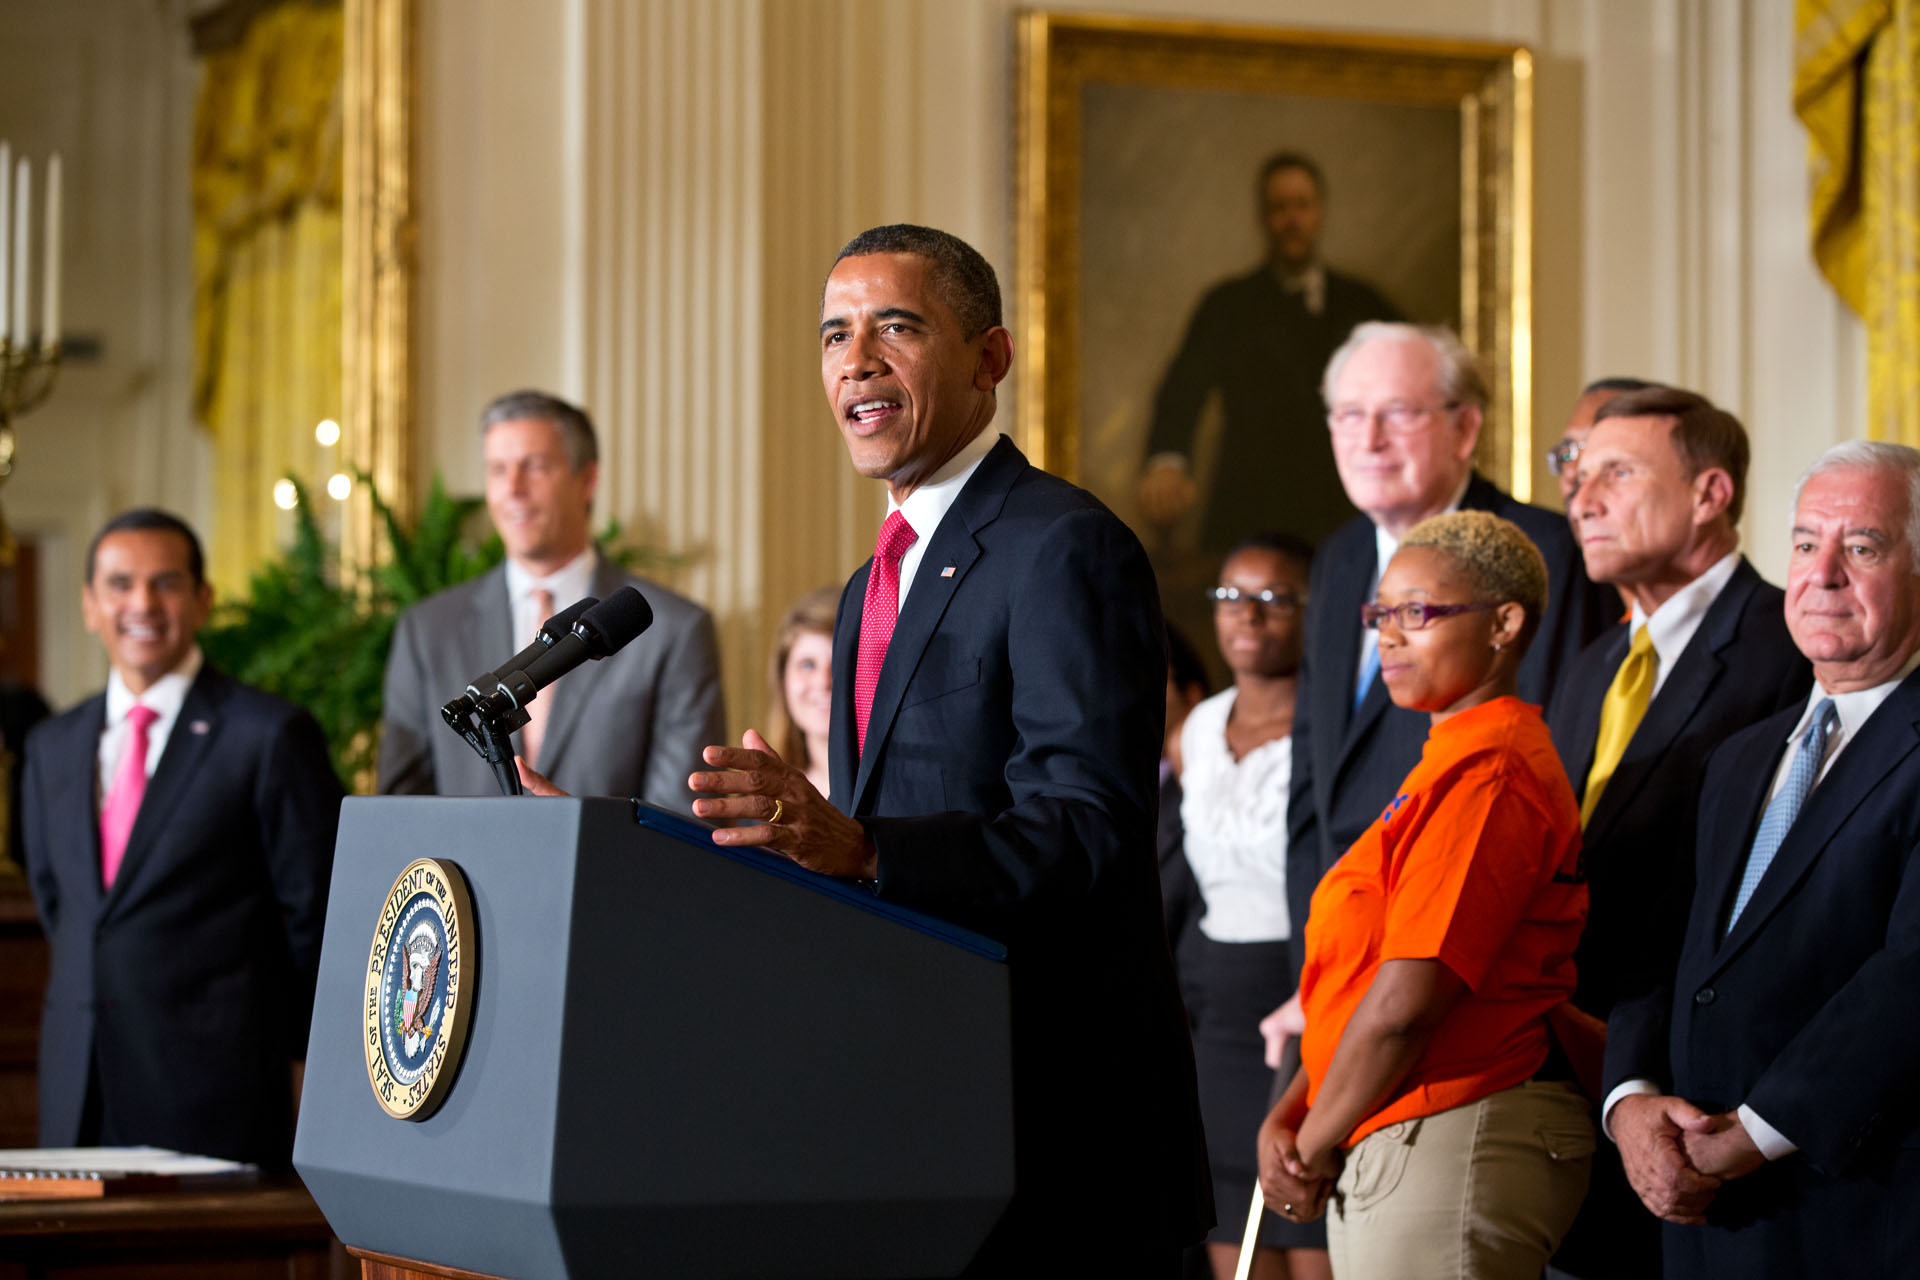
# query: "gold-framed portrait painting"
[[1205, 211]]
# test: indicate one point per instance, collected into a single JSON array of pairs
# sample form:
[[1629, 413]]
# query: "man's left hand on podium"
[[790, 817]]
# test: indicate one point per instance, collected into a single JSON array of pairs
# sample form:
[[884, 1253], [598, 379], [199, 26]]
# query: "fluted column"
[[728, 148]]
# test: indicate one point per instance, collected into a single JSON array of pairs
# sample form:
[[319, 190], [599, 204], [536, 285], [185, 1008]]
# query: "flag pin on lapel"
[[948, 571], [200, 727]]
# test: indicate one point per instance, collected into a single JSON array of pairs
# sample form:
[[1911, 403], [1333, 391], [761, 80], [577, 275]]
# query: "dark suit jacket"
[[1347, 764], [1805, 1011], [1180, 900], [189, 984], [1263, 352], [632, 724], [1009, 784], [1740, 667]]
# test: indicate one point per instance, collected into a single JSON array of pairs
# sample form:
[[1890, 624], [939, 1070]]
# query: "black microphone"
[[601, 630], [552, 631]]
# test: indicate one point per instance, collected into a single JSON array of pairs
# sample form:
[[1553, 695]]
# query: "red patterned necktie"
[[877, 617], [129, 788]]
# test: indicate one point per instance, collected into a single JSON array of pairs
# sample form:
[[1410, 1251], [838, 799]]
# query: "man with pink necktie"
[[179, 833]]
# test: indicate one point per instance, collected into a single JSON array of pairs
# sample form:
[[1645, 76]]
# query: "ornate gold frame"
[[1491, 84], [378, 248]]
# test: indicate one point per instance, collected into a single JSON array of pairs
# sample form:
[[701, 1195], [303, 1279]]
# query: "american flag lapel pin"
[[200, 727], [948, 571]]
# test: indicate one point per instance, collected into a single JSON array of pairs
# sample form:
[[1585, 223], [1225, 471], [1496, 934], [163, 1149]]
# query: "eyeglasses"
[[1282, 601], [1397, 418], [1562, 457], [1413, 615]]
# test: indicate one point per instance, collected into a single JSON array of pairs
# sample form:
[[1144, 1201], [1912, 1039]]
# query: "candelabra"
[[26, 380]]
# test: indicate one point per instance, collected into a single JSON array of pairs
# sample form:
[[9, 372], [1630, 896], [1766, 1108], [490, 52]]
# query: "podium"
[[680, 1060]]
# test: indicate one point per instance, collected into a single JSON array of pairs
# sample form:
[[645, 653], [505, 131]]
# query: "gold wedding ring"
[[778, 809]]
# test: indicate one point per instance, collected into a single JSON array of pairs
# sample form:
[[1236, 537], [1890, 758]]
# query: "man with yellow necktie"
[[1703, 652]]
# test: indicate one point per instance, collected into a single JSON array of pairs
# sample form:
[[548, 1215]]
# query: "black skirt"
[[1240, 983]]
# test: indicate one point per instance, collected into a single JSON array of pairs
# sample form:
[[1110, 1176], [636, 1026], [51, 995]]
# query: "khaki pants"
[[1481, 1192]]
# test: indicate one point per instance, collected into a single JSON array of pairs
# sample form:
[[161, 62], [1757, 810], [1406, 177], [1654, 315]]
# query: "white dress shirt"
[[1671, 627], [1852, 710], [568, 583], [163, 697], [927, 505], [1234, 819]]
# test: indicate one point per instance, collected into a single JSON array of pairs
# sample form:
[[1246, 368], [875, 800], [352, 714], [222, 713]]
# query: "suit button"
[[1704, 995]]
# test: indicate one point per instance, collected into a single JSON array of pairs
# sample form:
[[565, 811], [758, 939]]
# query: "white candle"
[[22, 200], [6, 241], [50, 328]]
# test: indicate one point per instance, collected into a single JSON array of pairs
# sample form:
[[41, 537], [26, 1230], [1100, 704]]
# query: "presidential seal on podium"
[[418, 989]]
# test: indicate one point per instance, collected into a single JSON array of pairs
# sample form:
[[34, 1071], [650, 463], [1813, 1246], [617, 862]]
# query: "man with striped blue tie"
[[1763, 1103]]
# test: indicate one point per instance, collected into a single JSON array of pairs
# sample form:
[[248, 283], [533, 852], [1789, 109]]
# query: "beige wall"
[[111, 86], [634, 201]]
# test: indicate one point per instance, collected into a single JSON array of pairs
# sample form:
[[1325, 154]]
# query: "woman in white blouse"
[[1236, 763]]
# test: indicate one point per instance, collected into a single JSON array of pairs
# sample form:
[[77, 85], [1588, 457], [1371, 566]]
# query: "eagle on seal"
[[416, 986]]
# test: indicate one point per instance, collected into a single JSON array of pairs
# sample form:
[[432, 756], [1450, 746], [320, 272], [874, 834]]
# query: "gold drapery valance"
[[267, 258], [1857, 90]]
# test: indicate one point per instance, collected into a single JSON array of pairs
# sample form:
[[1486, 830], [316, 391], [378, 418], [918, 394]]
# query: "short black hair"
[[1184, 667], [962, 278], [152, 518], [570, 420], [1617, 385], [1287, 160], [1286, 545]]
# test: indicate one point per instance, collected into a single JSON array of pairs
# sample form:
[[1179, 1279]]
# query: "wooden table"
[[243, 1233]]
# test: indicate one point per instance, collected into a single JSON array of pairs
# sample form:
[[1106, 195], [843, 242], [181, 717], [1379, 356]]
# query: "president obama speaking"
[[999, 679]]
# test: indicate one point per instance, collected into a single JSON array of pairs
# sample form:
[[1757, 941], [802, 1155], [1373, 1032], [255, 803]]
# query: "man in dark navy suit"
[[1763, 1100], [1405, 405], [1704, 653], [179, 841], [999, 692]]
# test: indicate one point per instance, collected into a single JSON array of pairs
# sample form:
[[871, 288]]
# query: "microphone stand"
[[490, 736]]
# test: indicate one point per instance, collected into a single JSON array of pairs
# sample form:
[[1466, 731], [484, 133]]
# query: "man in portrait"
[[1258, 342]]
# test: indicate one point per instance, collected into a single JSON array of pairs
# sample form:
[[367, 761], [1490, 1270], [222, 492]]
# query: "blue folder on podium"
[[679, 1059]]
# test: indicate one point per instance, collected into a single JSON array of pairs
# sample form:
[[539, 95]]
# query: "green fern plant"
[[320, 639]]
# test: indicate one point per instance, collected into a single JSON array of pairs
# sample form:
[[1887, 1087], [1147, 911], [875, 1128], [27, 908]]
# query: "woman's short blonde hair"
[[1498, 559]]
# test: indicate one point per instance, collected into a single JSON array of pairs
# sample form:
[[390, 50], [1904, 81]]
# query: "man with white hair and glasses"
[[1405, 405]]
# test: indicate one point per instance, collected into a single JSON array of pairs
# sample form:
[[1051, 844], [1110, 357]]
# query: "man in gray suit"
[[631, 725]]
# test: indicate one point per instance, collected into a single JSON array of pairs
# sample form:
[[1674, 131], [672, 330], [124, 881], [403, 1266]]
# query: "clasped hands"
[[1677, 1156], [788, 816], [1295, 1184]]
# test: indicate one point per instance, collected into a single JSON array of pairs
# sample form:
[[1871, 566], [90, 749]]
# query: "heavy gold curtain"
[[267, 223], [1857, 90]]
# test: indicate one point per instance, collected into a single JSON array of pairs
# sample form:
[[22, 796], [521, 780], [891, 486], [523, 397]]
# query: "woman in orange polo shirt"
[[1432, 1108]]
